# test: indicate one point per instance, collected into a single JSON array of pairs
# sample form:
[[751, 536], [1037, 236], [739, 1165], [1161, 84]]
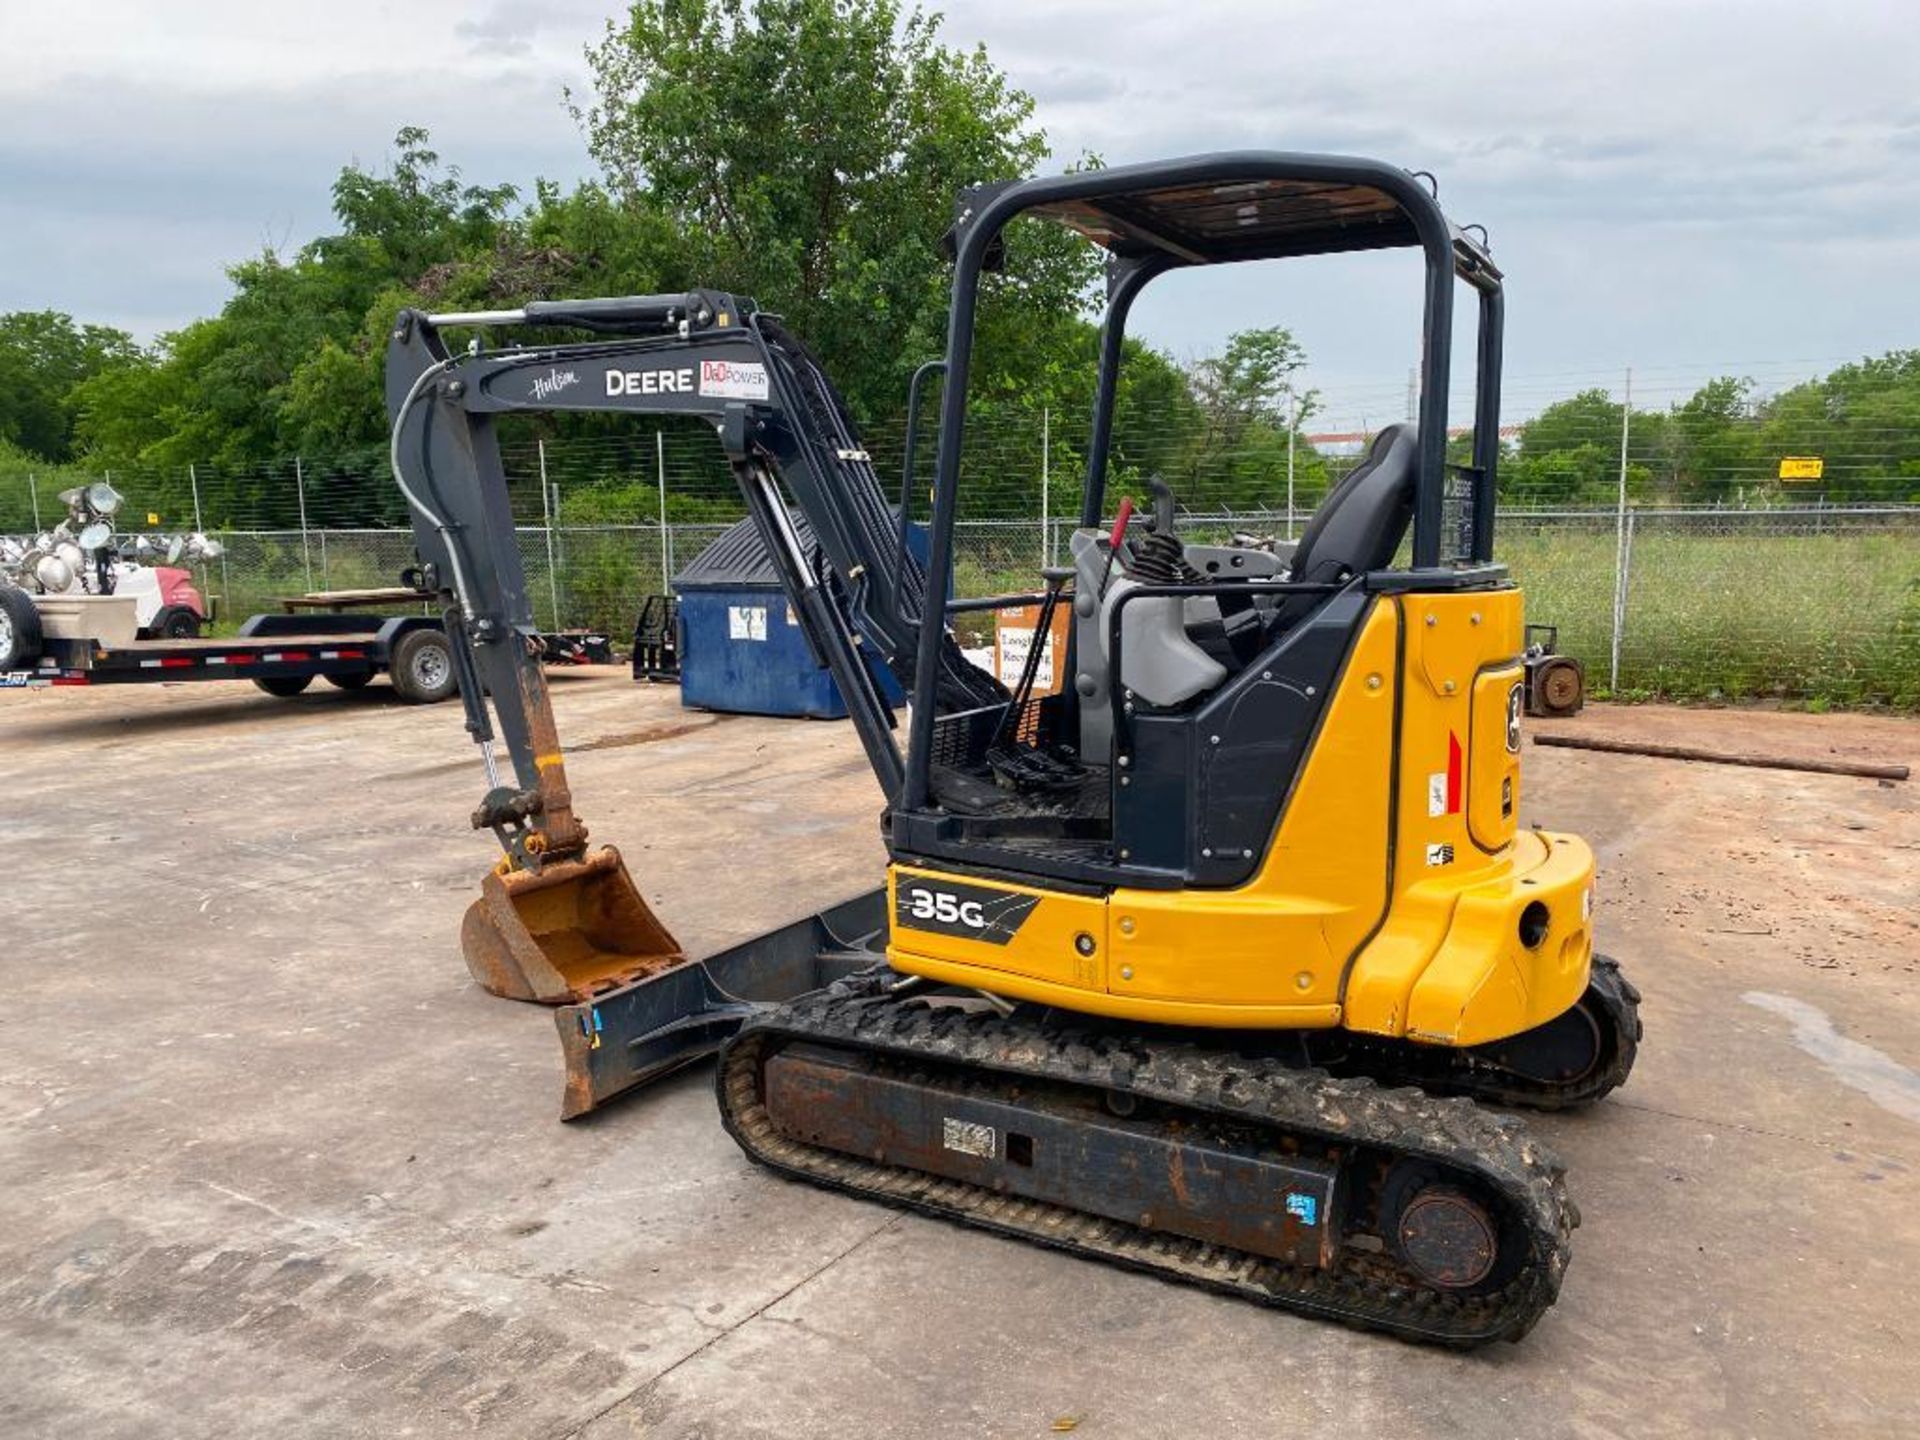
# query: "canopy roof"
[[1239, 220]]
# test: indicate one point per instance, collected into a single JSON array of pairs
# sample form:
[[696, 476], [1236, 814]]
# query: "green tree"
[[1862, 421], [1569, 454], [1712, 442], [43, 356], [1244, 400], [809, 153]]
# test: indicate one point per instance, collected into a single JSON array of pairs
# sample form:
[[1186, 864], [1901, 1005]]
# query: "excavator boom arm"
[[780, 423]]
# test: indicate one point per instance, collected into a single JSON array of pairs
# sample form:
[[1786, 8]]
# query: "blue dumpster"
[[741, 646]]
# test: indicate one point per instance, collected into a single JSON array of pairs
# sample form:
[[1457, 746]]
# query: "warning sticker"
[[1439, 854], [968, 1137], [1443, 786], [746, 622], [733, 379]]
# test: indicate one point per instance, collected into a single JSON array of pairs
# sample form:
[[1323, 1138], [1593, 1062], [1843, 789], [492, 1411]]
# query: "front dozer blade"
[[566, 932], [625, 1037]]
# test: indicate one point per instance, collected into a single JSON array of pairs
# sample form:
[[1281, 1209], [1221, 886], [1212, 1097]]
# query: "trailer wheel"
[[176, 623], [351, 680], [422, 667], [285, 686], [19, 629]]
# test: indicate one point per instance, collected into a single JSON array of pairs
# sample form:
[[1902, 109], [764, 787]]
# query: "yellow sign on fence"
[[1802, 467]]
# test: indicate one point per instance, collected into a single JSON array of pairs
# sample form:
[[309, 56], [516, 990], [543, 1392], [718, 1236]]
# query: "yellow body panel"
[[1283, 939], [1390, 899], [1048, 947]]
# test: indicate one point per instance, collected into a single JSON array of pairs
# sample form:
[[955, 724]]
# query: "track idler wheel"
[[1447, 1238]]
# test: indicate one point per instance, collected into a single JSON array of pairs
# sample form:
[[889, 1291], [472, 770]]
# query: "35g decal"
[[953, 907]]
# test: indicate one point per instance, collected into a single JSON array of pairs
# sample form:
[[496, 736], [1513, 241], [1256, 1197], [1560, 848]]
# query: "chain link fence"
[[1807, 603], [1662, 536]]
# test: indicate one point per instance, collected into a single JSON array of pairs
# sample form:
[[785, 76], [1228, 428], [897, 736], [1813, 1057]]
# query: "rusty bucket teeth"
[[574, 930]]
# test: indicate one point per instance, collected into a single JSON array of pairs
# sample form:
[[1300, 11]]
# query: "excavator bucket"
[[572, 930]]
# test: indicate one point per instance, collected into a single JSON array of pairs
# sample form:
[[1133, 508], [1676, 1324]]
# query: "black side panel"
[[1152, 821], [1205, 791]]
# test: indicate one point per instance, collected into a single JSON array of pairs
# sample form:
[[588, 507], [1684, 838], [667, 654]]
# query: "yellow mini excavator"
[[1196, 966]]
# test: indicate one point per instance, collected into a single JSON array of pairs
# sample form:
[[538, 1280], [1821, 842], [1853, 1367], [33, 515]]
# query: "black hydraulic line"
[[994, 602], [619, 313], [1023, 691]]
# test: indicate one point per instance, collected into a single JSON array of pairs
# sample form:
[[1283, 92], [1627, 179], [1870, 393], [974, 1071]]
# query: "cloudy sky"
[[1686, 188]]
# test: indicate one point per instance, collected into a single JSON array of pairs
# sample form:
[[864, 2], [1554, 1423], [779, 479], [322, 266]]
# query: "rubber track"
[[1365, 1290], [1618, 1003]]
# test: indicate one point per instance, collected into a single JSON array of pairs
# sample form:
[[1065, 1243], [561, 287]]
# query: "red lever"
[[1113, 543]]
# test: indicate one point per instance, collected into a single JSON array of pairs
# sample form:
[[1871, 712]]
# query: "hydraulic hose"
[[414, 393], [432, 517]]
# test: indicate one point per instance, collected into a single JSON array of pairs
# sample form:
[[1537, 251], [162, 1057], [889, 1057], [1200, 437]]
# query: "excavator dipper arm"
[[556, 921]]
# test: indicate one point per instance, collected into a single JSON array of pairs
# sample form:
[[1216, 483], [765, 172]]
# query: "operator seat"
[[1360, 524]]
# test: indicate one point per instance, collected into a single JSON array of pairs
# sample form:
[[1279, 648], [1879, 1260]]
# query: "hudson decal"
[[553, 382], [972, 912]]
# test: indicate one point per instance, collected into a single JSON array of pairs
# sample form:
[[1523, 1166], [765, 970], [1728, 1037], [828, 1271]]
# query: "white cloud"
[[1666, 184]]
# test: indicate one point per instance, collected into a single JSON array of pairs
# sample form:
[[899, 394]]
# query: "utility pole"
[[666, 535], [559, 545], [300, 489], [33, 490], [1046, 472], [1293, 425], [1620, 538], [546, 513], [193, 483]]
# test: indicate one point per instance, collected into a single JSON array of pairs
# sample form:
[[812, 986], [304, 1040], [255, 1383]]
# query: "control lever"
[[1120, 520]]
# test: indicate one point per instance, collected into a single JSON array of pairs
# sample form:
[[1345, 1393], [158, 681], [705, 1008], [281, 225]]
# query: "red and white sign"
[[1443, 786], [733, 379]]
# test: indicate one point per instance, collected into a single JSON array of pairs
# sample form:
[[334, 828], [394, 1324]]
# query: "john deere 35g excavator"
[[1196, 966]]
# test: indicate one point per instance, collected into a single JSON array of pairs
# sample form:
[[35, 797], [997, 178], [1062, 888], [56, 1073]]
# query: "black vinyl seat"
[[1359, 526]]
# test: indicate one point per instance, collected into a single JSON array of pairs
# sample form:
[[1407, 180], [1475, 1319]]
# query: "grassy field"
[[1827, 619]]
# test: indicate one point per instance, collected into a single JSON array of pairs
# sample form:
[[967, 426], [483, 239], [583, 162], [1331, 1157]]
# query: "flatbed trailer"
[[558, 647], [281, 654]]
